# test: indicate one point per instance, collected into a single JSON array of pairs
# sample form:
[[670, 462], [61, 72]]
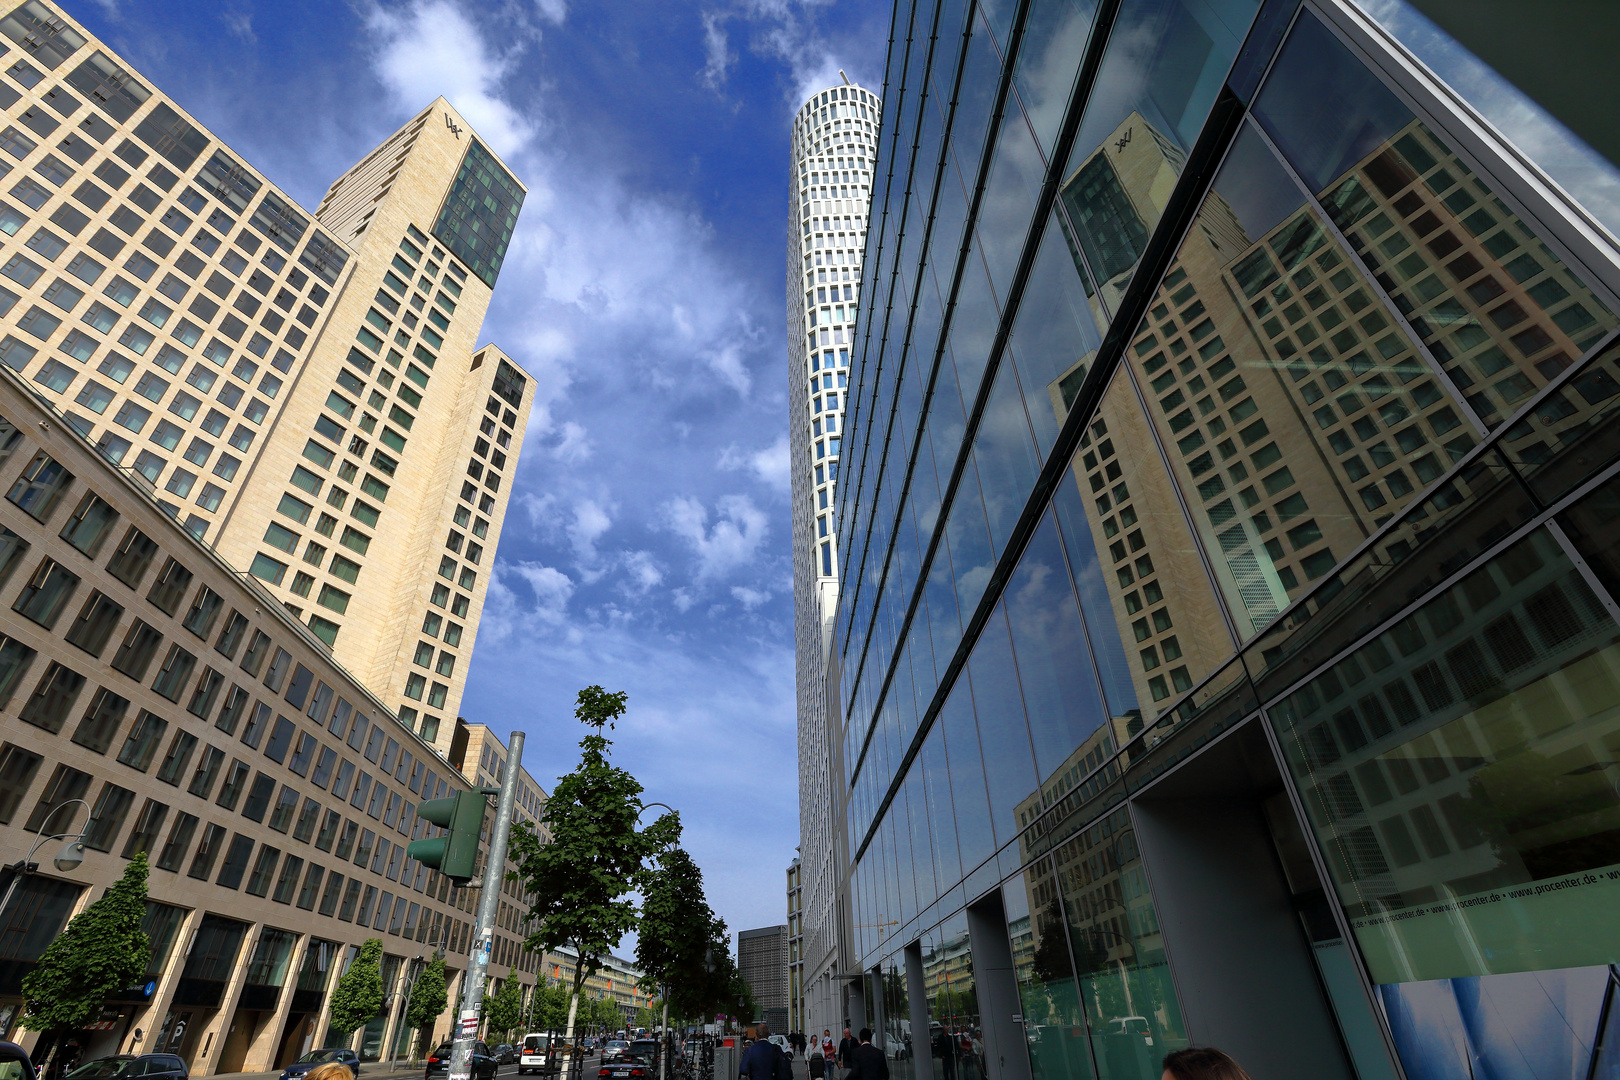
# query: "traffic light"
[[456, 853]]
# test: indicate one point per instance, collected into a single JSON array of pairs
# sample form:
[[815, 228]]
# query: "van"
[[535, 1056]]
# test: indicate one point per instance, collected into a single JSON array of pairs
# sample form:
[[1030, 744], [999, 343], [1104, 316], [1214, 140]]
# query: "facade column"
[[261, 1056], [396, 1011], [150, 1020], [324, 1019], [219, 1027]]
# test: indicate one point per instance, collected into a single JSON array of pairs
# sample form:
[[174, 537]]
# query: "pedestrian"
[[868, 1062], [846, 1051], [764, 1060], [1202, 1063], [332, 1070], [829, 1050]]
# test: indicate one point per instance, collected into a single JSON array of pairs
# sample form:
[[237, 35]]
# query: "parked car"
[[14, 1063], [614, 1050], [483, 1065], [340, 1054], [504, 1054], [125, 1066]]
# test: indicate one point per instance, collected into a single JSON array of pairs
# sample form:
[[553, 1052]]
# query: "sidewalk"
[[368, 1071]]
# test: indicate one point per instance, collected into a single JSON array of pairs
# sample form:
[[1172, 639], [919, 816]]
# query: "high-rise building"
[[830, 180], [253, 466], [303, 392], [1228, 641], [762, 960]]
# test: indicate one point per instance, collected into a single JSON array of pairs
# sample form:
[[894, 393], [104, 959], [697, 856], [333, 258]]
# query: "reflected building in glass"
[[833, 145], [1226, 649]]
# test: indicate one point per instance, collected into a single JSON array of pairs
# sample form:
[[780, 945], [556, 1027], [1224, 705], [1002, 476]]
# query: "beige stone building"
[[255, 467], [302, 391]]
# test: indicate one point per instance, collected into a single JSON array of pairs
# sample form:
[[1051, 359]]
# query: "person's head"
[[1202, 1063], [826, 1033], [846, 1032], [866, 1035], [331, 1070]]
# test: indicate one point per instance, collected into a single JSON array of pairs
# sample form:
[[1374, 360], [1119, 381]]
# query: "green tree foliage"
[[102, 951], [429, 998], [504, 1011], [548, 1006], [582, 880], [681, 943], [358, 995]]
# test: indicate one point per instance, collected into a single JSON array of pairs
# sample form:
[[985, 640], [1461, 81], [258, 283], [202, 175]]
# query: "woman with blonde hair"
[[1200, 1063], [332, 1070]]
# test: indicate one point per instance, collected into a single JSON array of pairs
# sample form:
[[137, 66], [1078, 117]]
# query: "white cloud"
[[553, 11], [591, 520], [718, 56], [433, 48], [749, 598], [770, 464], [551, 588], [739, 529], [571, 446]]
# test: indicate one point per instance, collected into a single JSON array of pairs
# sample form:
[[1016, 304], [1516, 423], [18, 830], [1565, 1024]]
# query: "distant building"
[[762, 960], [795, 953]]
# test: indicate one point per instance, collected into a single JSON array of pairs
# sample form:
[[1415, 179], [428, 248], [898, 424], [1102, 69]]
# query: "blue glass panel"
[[1009, 766]]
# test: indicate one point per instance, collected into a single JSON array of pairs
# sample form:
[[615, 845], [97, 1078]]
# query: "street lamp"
[[66, 860]]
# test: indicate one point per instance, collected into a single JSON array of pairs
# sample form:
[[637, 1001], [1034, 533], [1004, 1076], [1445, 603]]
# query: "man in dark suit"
[[869, 1063]]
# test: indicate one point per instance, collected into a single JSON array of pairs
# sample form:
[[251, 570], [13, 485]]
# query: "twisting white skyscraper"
[[834, 139]]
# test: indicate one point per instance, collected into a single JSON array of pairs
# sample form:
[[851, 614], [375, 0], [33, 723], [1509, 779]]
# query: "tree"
[[548, 1006], [102, 951], [505, 1010], [429, 998], [582, 880], [680, 940], [358, 995]]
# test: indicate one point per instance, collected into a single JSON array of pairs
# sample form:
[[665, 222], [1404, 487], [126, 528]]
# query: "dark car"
[[483, 1064], [504, 1054], [126, 1066], [14, 1063], [340, 1054]]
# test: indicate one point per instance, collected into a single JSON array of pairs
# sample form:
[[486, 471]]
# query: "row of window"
[[224, 179], [288, 807]]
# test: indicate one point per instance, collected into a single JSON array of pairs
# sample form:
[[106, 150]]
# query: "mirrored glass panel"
[[1164, 65], [1489, 299], [1455, 770], [1054, 1021], [1117, 949], [955, 1037]]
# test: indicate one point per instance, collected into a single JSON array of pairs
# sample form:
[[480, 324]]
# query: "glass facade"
[[480, 212], [1230, 481]]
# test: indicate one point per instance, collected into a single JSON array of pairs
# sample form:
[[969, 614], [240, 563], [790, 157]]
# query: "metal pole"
[[472, 996]]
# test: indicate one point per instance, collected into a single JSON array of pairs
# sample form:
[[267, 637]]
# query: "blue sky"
[[647, 546]]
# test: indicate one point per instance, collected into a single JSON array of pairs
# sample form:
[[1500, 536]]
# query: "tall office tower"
[[383, 479], [830, 175], [795, 956], [1228, 640], [762, 961], [305, 395]]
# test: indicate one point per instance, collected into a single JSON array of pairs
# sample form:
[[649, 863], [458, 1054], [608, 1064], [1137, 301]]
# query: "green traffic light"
[[454, 854]]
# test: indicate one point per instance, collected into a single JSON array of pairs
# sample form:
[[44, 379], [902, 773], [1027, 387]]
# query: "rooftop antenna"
[[841, 75]]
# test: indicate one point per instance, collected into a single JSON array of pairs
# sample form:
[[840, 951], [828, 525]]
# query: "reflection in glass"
[[1054, 338], [1055, 36], [1118, 950], [1158, 590], [1457, 771], [1009, 766], [1492, 302], [1054, 1022], [955, 1037], [1163, 67], [1570, 434], [895, 1033]]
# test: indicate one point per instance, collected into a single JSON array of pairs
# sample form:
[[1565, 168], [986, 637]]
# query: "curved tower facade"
[[834, 140]]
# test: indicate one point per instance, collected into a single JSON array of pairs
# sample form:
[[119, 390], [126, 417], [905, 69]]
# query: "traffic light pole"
[[472, 995]]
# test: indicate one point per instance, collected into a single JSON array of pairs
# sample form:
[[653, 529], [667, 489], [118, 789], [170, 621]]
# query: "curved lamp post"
[[66, 860]]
